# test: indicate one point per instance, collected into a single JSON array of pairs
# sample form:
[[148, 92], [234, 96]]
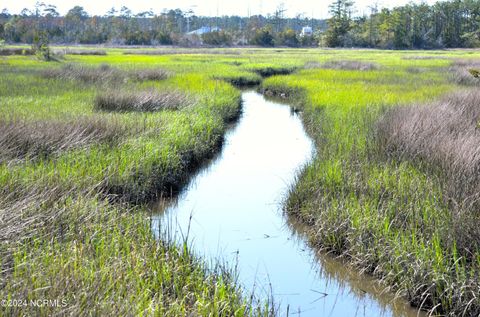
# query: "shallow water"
[[232, 210]]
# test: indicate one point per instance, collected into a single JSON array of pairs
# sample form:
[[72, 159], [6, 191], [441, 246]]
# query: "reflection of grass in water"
[[337, 271]]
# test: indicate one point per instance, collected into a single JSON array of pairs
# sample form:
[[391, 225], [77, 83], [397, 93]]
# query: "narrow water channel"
[[232, 210]]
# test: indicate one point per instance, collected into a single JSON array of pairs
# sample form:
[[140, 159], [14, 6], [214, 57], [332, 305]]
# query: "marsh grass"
[[184, 51], [71, 217], [389, 217], [104, 74], [70, 51], [284, 92], [268, 71], [84, 235], [462, 72], [8, 51], [108, 255], [150, 74], [312, 65], [444, 137], [423, 57], [241, 81], [445, 133], [40, 139], [343, 65], [142, 101]]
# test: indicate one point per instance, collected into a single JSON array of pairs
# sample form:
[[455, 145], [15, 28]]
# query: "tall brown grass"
[[16, 51], [33, 139], [444, 137], [149, 100], [103, 74], [180, 51], [97, 52], [423, 57], [343, 65], [462, 72]]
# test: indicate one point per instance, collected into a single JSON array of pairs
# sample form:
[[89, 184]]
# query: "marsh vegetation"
[[86, 141]]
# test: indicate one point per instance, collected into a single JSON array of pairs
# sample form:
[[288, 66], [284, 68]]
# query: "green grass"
[[73, 222]]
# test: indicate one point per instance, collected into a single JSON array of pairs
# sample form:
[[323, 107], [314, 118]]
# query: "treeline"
[[123, 27], [445, 24]]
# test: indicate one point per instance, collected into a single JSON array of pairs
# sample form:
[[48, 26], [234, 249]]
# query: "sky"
[[316, 8]]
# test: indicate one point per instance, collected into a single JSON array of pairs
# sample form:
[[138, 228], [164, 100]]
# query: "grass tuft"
[[465, 72], [272, 70], [70, 51], [8, 51], [343, 65], [26, 139], [143, 101], [445, 138], [103, 74], [184, 51]]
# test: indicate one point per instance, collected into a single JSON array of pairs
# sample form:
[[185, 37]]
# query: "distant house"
[[205, 29], [306, 31]]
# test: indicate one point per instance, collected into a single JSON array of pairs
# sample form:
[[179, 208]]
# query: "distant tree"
[[263, 37], [309, 41], [74, 24], [51, 11], [41, 46], [25, 12], [5, 14], [145, 14], [278, 17], [163, 38], [288, 38], [454, 23], [340, 23], [111, 13], [220, 38], [125, 12]]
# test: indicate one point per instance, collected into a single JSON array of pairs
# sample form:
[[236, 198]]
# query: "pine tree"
[[340, 22]]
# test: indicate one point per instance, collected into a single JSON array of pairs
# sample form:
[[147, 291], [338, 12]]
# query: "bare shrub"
[[150, 100], [350, 65], [443, 136], [22, 139], [463, 72]]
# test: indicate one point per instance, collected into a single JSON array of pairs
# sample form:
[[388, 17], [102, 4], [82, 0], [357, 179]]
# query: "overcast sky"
[[317, 8]]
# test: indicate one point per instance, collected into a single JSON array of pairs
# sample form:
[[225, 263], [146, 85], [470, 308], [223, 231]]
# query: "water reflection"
[[232, 210]]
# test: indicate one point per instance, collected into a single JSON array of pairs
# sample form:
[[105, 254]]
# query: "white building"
[[205, 29], [306, 31]]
